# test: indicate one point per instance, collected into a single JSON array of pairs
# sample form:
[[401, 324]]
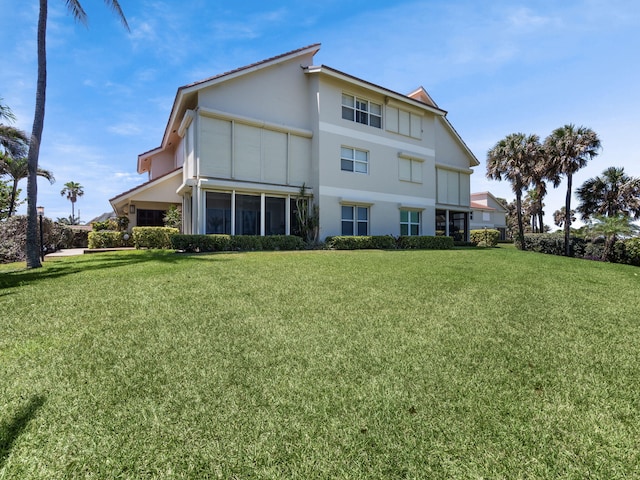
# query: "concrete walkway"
[[67, 252], [70, 252]]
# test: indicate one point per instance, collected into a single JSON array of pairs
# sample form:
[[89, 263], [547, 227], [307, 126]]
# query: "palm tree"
[[514, 158], [75, 8], [17, 169], [72, 190], [559, 216], [611, 227], [568, 149], [611, 194]]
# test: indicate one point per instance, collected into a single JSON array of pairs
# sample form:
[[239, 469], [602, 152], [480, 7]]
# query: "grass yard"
[[370, 364]]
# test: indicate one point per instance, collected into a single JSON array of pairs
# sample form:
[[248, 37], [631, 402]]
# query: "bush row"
[[388, 242], [624, 251], [226, 243]]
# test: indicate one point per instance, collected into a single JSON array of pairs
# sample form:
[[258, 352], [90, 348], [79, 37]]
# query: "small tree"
[[307, 216], [173, 218], [611, 228]]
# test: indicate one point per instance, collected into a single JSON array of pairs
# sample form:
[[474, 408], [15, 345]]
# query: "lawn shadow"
[[82, 263], [11, 430]]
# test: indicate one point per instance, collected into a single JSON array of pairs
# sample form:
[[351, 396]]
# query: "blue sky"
[[497, 67]]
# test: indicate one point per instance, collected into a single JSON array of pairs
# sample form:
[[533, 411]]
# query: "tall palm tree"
[[613, 193], [569, 148], [513, 158], [75, 8], [559, 217], [17, 169], [72, 190]]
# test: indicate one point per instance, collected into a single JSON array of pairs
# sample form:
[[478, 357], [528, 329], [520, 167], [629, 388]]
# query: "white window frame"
[[409, 223], [350, 154], [361, 110], [355, 220]]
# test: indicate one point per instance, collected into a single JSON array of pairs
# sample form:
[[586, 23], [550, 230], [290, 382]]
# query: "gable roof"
[[186, 92]]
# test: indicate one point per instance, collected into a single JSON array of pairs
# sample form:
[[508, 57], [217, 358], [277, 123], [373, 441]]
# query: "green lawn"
[[466, 364]]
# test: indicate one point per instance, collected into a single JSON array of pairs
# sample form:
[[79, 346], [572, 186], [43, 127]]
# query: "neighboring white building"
[[239, 146], [488, 212]]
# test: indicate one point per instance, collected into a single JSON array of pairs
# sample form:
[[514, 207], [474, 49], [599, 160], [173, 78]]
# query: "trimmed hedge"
[[107, 239], [439, 242], [387, 242], [553, 243], [489, 236], [381, 242], [153, 237], [220, 243]]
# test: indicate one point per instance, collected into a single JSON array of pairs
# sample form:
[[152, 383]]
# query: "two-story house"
[[488, 212], [239, 146]]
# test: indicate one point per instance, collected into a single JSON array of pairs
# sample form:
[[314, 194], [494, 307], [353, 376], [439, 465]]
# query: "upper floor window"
[[354, 160], [361, 111]]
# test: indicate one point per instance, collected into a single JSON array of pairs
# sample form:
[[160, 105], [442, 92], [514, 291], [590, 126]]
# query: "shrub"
[[349, 242], [153, 237], [201, 243], [487, 235], [282, 242], [107, 239], [246, 243], [627, 251], [426, 242], [13, 232], [553, 243]]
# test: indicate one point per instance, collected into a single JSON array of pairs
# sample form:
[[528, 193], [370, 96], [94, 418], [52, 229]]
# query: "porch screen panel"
[[247, 164], [275, 216], [247, 215], [215, 142], [274, 156], [218, 213]]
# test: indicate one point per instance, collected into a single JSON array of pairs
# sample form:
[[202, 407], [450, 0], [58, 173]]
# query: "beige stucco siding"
[[162, 163], [276, 94]]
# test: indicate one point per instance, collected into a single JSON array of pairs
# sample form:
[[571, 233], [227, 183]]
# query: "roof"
[[145, 184], [480, 206], [195, 86]]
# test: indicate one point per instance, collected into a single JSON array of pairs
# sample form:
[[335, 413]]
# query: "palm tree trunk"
[[567, 217], [12, 200], [519, 212], [73, 214], [541, 219], [33, 251]]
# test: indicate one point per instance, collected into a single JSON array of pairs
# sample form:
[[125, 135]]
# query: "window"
[[355, 220], [409, 222], [218, 213], [486, 216], [275, 216], [247, 215], [150, 218], [353, 160], [410, 170], [361, 111]]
